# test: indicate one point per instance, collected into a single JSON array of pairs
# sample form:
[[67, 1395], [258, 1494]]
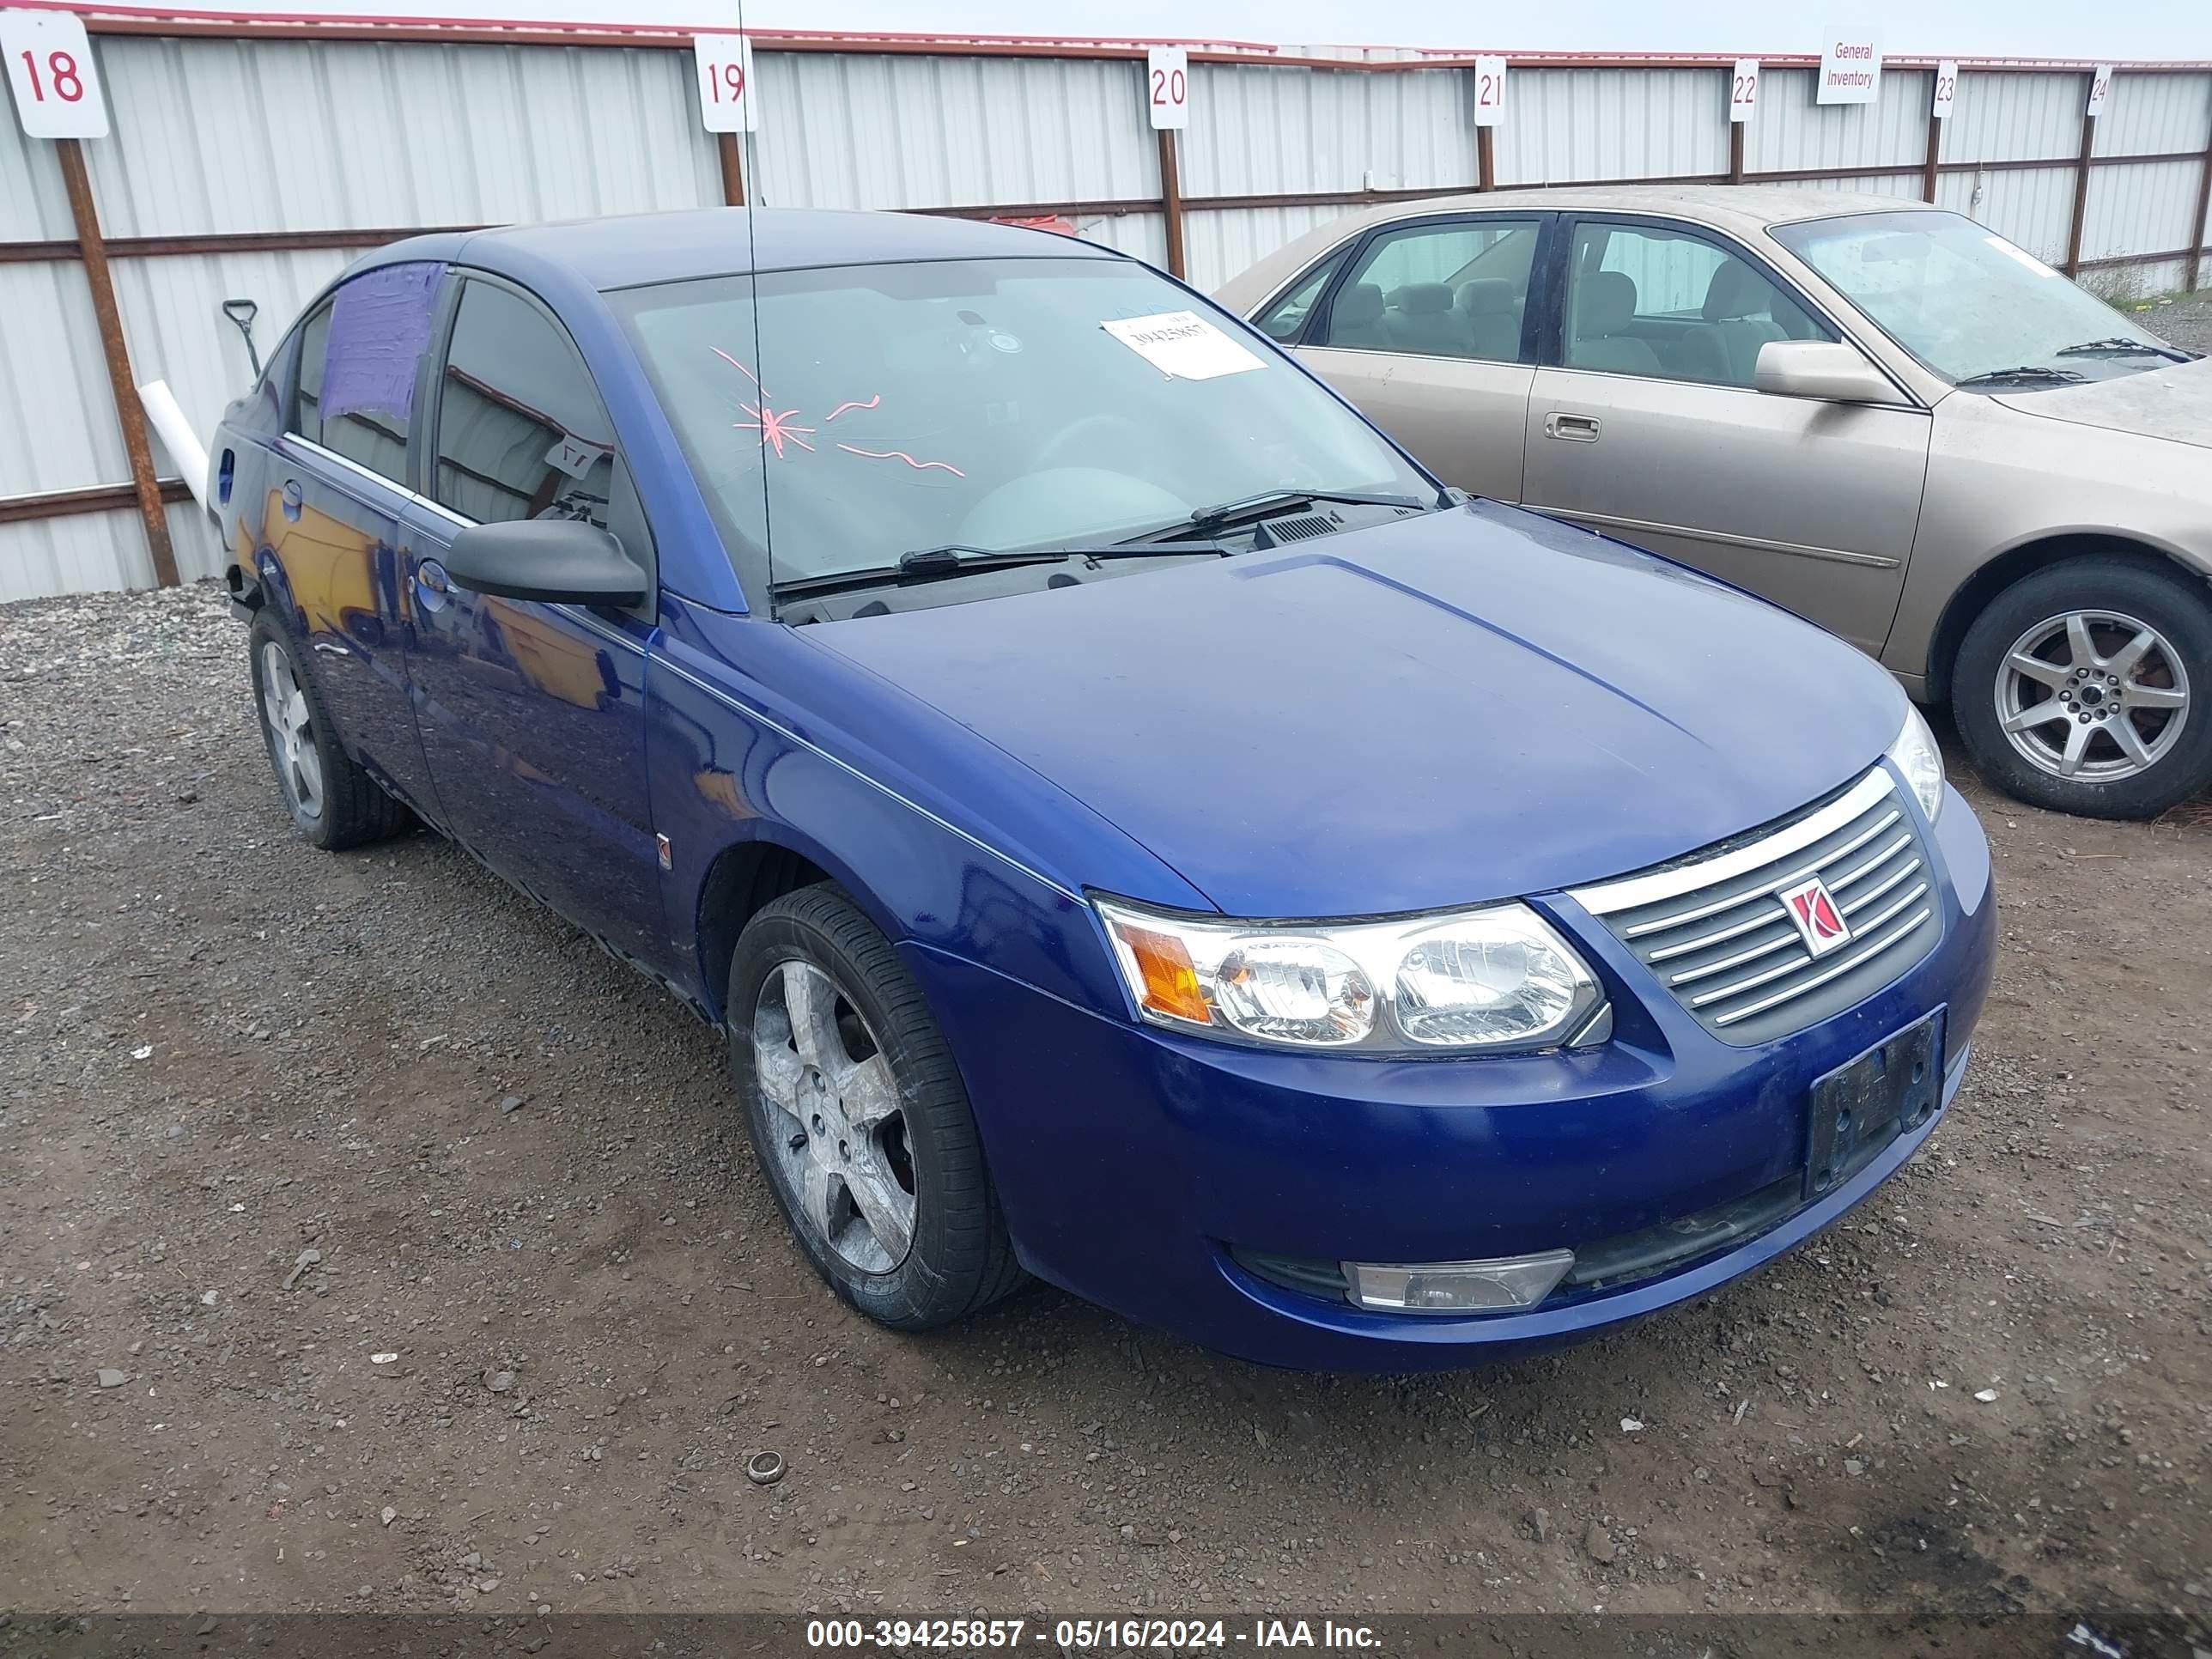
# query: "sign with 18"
[[51, 71]]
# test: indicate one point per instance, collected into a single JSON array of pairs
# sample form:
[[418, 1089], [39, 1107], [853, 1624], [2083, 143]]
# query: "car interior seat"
[[1490, 312], [1420, 318], [1737, 321], [1597, 337]]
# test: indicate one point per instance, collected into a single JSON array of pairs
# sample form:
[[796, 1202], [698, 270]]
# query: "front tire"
[[2083, 688], [858, 1118]]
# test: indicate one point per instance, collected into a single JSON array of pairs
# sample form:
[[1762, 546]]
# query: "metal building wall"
[[217, 136]]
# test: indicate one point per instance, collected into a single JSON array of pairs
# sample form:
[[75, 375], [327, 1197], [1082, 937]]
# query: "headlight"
[[1486, 981], [1915, 754]]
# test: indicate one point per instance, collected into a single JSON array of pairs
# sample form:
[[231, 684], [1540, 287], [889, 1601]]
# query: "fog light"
[[1447, 1287]]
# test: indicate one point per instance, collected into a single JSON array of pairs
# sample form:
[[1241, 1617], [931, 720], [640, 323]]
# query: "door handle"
[[1576, 428], [293, 496]]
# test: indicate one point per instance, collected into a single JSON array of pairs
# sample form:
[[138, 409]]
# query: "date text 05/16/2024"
[[1086, 1634]]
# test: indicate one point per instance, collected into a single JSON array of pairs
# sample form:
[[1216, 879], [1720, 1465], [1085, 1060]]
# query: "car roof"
[[1742, 208], [629, 250]]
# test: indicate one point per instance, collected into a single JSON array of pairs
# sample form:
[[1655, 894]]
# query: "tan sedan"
[[1880, 414]]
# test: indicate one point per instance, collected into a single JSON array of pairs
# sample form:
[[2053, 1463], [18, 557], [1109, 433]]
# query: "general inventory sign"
[[1851, 67]]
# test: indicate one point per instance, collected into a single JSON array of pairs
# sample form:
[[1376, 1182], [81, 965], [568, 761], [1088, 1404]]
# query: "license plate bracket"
[[1858, 1108]]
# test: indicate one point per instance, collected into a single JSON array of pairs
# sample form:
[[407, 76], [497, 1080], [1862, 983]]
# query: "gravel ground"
[[369, 1239], [2186, 321]]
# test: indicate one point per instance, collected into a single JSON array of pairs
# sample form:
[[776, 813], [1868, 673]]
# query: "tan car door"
[[1427, 335], [1644, 423]]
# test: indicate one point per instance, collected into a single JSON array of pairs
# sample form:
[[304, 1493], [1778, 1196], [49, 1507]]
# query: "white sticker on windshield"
[[1184, 345], [2012, 252]]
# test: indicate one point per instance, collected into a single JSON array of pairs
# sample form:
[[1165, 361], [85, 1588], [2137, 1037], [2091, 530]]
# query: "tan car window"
[[1448, 290], [1673, 305]]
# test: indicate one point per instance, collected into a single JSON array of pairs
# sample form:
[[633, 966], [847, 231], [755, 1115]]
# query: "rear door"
[[533, 717], [335, 493], [1644, 422], [1424, 327]]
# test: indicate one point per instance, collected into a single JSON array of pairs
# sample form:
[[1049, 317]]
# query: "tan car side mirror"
[[1831, 372]]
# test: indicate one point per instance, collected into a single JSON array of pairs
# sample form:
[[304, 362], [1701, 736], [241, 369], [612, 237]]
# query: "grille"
[[1711, 930]]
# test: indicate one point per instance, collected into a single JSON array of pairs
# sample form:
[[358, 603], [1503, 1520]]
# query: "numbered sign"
[[2101, 83], [1489, 91], [727, 102], [51, 71], [1167, 86], [1946, 88], [1743, 89]]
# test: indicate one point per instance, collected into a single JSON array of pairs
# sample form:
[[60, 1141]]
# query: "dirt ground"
[[554, 1308]]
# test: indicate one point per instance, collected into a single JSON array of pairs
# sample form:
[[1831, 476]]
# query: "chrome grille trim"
[[1716, 934], [1839, 970], [1629, 892]]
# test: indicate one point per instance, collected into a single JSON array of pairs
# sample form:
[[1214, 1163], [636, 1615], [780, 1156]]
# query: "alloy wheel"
[[2092, 695], [841, 1140], [291, 733]]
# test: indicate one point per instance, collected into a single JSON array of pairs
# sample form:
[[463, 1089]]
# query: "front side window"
[[837, 419], [1445, 291], [359, 355], [1968, 305], [521, 432], [1672, 305]]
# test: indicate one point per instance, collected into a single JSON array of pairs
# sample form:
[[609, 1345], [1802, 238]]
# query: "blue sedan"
[[1134, 826]]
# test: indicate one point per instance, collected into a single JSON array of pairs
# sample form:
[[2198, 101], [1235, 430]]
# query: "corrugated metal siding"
[[218, 136], [1791, 130], [89, 551], [1219, 245], [851, 132], [1262, 131], [57, 430], [2033, 211], [2015, 117], [2154, 114], [2149, 209], [296, 135], [1598, 123], [33, 208]]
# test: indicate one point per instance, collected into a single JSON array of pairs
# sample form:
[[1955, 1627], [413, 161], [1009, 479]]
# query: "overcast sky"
[[1963, 28]]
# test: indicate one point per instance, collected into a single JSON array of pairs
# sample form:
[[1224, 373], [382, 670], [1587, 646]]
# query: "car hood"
[[1475, 704], [2174, 402]]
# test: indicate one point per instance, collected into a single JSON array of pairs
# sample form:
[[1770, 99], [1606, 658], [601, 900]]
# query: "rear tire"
[[2087, 687], [859, 1117], [333, 802]]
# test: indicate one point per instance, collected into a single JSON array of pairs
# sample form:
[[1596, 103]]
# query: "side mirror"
[[1829, 371], [552, 560]]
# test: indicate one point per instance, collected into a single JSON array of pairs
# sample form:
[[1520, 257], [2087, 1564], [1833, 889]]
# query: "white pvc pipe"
[[177, 437]]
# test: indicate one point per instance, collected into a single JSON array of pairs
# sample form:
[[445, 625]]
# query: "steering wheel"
[[1066, 446]]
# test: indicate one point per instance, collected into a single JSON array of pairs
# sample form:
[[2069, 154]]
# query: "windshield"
[[1966, 303], [989, 405]]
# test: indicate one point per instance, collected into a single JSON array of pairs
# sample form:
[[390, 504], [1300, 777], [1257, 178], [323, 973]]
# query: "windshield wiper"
[[2120, 344], [930, 564], [2028, 372], [1268, 503]]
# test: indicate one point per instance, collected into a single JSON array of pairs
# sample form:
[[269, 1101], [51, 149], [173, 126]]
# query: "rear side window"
[[1456, 289], [1283, 320], [359, 355], [521, 432]]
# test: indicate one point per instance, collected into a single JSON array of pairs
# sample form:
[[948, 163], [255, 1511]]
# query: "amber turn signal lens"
[[1170, 983]]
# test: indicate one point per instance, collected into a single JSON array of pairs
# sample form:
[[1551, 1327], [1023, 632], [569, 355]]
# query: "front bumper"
[[1132, 1161]]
